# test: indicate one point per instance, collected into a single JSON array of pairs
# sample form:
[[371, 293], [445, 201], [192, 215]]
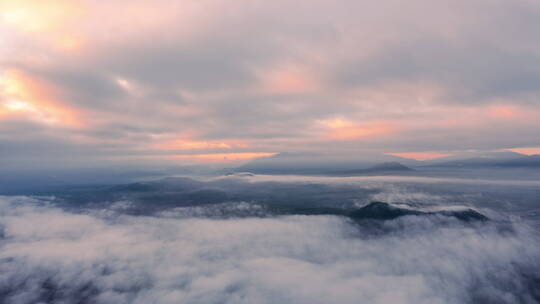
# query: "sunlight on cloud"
[[184, 144], [35, 16], [343, 129], [527, 150], [128, 86], [223, 157], [420, 155], [47, 18], [28, 97]]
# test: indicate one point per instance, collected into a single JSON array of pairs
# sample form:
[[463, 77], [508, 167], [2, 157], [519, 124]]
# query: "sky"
[[85, 82]]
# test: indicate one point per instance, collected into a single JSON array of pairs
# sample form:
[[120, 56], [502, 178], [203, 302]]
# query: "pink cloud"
[[420, 155], [528, 151], [505, 112]]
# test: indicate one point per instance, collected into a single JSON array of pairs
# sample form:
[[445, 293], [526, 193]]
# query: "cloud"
[[103, 257], [341, 129], [527, 150], [29, 97], [224, 157], [267, 73], [420, 155]]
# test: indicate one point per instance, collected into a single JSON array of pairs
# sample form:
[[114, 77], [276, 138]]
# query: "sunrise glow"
[[421, 155], [223, 157], [32, 98]]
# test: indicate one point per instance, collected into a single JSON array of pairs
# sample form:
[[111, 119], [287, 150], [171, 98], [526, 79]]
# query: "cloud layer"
[[106, 257], [259, 77]]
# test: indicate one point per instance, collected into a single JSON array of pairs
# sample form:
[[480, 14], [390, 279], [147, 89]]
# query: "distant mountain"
[[506, 160], [312, 163], [390, 166], [382, 168], [500, 155], [27, 181]]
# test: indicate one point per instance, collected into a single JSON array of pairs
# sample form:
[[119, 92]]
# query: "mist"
[[239, 244]]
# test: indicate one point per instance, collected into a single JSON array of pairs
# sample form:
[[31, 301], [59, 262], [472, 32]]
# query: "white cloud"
[[51, 255]]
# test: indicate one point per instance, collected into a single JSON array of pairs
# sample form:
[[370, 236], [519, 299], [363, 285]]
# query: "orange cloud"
[[223, 157], [184, 144], [24, 96], [342, 129], [420, 155], [528, 151]]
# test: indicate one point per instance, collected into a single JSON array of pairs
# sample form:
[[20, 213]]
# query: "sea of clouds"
[[50, 255]]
